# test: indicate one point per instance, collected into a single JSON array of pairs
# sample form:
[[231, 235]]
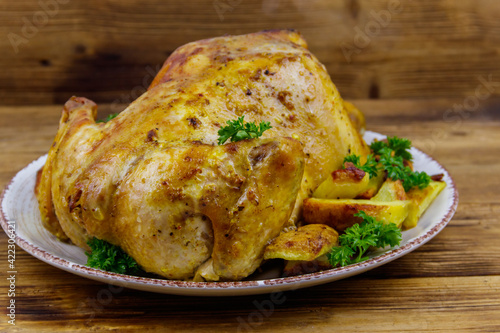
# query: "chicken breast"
[[154, 181]]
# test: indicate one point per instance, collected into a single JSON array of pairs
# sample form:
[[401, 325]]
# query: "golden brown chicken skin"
[[154, 181]]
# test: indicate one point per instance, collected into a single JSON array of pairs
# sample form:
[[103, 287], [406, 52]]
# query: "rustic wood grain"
[[441, 304], [451, 284], [108, 50]]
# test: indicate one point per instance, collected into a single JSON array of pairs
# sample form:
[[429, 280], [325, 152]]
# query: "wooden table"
[[450, 284]]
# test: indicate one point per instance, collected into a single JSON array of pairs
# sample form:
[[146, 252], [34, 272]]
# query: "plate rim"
[[231, 288]]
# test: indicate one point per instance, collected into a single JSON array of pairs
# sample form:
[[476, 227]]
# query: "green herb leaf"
[[400, 146], [358, 239], [341, 255], [392, 155], [369, 167], [387, 233], [416, 179], [376, 146], [354, 159], [237, 130], [110, 258], [108, 118], [394, 165]]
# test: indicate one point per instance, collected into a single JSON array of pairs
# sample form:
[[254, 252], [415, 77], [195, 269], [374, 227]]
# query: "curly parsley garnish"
[[391, 156], [394, 165], [369, 167], [239, 130], [110, 258], [400, 147], [108, 118], [358, 239]]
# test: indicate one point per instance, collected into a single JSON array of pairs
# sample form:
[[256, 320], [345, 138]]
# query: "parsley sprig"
[[110, 258], [394, 165], [237, 130], [358, 239], [369, 167], [391, 157], [400, 146]]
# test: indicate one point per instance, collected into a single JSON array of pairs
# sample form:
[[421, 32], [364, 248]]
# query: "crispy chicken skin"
[[154, 182]]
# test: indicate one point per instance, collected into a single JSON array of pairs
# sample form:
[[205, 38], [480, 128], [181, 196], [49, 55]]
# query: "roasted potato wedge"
[[306, 243], [339, 214], [299, 267], [391, 190], [420, 201], [349, 183], [373, 187], [343, 184]]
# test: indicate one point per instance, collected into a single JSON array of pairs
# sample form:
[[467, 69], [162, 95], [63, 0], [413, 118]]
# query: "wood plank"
[[103, 50], [399, 305]]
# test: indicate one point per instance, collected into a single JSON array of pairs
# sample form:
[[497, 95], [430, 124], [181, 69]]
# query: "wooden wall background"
[[108, 50]]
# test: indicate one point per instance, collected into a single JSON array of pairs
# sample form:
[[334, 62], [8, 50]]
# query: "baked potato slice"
[[305, 244], [420, 199], [299, 267], [391, 190], [345, 183], [373, 187], [349, 183], [339, 214]]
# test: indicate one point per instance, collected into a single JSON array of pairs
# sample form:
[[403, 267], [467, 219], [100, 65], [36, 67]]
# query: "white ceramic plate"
[[19, 206]]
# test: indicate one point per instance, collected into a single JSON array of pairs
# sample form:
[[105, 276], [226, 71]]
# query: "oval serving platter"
[[20, 209]]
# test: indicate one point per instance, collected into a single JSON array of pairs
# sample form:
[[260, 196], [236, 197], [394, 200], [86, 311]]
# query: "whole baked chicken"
[[154, 181]]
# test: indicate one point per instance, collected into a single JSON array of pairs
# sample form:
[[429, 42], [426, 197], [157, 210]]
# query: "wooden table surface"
[[451, 283]]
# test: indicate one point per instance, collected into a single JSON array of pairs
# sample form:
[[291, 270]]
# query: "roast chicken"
[[155, 182]]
